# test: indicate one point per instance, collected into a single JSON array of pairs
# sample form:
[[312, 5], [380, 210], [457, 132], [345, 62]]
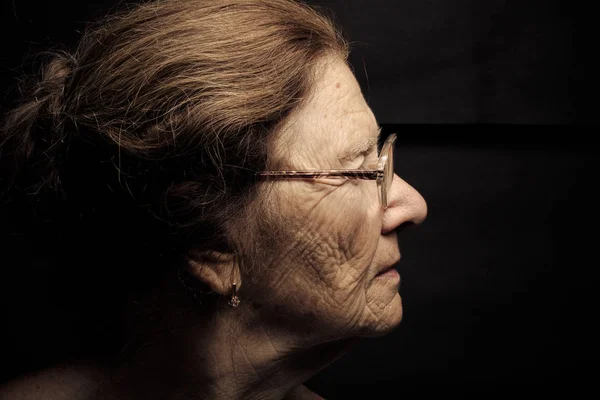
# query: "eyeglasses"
[[384, 174]]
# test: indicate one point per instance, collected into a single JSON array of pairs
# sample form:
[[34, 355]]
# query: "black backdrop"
[[497, 284], [434, 61]]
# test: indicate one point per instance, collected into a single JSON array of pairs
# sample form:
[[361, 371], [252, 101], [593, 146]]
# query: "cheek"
[[329, 237], [350, 231], [362, 214], [317, 266]]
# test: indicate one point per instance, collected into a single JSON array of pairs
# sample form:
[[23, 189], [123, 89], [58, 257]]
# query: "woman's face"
[[318, 276]]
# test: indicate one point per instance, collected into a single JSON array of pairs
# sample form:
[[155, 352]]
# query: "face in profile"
[[321, 274]]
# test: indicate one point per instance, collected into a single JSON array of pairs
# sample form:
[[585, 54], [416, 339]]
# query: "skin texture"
[[335, 236], [308, 290]]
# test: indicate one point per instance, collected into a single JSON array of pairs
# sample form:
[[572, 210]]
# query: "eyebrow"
[[364, 147]]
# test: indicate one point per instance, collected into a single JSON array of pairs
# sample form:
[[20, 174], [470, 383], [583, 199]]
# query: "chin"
[[389, 318]]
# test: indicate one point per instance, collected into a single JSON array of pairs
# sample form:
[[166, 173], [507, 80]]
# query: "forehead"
[[334, 122]]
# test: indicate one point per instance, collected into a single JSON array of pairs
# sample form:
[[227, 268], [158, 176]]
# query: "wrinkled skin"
[[307, 291], [316, 279]]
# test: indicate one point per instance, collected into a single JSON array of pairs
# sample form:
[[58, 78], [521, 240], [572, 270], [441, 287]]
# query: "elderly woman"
[[228, 220]]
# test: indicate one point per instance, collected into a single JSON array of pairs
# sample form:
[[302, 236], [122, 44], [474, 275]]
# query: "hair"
[[141, 143]]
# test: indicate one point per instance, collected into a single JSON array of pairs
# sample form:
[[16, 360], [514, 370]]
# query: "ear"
[[217, 269]]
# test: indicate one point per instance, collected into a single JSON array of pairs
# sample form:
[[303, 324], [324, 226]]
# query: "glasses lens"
[[386, 163], [388, 174]]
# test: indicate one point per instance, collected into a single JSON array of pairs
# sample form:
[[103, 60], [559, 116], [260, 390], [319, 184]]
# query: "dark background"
[[493, 103]]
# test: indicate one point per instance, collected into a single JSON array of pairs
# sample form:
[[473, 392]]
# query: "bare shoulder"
[[55, 383], [302, 393]]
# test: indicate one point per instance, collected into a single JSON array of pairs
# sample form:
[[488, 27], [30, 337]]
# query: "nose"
[[405, 204]]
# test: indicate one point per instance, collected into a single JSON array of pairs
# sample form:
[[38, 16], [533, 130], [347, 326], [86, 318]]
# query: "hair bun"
[[33, 133], [52, 85]]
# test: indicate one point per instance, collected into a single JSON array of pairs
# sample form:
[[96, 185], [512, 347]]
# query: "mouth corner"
[[387, 269]]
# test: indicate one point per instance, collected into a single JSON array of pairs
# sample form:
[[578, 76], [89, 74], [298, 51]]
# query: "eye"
[[332, 181], [369, 166], [370, 162]]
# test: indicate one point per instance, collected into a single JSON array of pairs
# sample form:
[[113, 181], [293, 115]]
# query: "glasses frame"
[[386, 160]]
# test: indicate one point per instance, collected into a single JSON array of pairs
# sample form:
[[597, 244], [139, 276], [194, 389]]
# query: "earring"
[[234, 301]]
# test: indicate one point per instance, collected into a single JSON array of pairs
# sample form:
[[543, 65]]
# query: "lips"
[[389, 267], [384, 271]]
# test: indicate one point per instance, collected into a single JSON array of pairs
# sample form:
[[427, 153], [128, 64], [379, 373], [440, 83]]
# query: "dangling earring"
[[234, 301]]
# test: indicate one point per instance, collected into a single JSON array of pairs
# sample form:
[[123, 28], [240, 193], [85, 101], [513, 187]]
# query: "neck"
[[229, 355]]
